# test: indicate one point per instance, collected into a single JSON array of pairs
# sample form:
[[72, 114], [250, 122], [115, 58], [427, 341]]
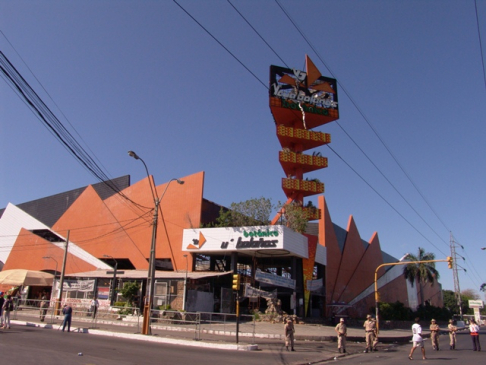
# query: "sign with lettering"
[[277, 240], [476, 304], [275, 280]]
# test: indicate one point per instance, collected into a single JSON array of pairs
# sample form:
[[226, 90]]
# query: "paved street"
[[33, 342]]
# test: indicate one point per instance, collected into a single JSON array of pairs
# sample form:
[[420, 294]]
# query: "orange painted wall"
[[29, 250], [351, 271], [120, 226]]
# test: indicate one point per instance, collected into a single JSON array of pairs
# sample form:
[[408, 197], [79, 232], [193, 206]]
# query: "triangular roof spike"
[[312, 72]]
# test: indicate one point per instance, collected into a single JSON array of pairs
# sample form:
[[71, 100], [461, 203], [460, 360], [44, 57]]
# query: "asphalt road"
[[36, 346], [398, 355]]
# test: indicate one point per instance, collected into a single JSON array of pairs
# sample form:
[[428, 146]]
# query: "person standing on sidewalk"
[[8, 306], [452, 334], [370, 334], [474, 330], [67, 310], [417, 339], [2, 300], [93, 308], [43, 306], [434, 334], [341, 335], [289, 334]]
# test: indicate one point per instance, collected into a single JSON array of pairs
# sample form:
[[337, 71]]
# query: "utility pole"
[[457, 289], [61, 279]]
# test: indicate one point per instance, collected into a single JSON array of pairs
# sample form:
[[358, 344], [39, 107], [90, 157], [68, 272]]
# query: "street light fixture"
[[149, 298], [483, 248], [113, 284]]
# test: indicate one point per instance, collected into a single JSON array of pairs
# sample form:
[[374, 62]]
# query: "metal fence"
[[81, 312], [200, 324], [203, 323]]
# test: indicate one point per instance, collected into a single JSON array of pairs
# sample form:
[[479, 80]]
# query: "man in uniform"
[[341, 332], [452, 334], [370, 334], [434, 334]]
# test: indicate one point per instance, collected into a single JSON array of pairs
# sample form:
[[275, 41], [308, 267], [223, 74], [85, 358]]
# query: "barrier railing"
[[200, 323], [81, 312]]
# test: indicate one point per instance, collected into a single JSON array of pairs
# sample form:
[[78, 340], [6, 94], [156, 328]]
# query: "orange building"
[[104, 223], [326, 271]]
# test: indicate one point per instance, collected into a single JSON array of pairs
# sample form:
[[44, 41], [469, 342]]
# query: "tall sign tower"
[[301, 101]]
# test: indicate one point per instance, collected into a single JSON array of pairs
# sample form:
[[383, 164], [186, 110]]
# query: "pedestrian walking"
[[474, 331], [8, 306], [67, 310], [44, 304], [452, 334], [434, 334], [417, 339], [93, 307], [370, 333], [289, 331], [341, 335]]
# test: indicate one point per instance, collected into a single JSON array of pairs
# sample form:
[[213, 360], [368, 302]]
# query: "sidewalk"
[[313, 343]]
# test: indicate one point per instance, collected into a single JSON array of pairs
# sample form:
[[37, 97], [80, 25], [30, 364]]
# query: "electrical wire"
[[480, 42]]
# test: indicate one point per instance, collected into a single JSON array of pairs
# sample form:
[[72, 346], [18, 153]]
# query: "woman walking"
[[474, 330]]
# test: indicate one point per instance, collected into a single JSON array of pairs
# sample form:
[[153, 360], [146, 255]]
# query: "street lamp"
[[113, 284], [149, 298], [483, 248], [185, 287]]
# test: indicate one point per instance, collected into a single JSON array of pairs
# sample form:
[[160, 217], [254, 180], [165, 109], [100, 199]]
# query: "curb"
[[140, 337]]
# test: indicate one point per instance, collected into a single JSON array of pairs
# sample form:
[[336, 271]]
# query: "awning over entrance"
[[142, 274]]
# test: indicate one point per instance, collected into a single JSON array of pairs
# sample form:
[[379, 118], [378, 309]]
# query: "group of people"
[[371, 335], [6, 306], [418, 341]]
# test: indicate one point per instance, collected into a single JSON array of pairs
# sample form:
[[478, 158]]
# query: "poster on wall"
[[103, 292]]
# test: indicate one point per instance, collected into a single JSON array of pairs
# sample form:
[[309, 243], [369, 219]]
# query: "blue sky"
[[144, 76]]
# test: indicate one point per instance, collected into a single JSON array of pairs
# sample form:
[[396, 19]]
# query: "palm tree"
[[423, 273]]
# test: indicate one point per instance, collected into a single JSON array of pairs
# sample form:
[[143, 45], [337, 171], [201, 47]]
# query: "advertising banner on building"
[[77, 285], [264, 240], [306, 96], [275, 280]]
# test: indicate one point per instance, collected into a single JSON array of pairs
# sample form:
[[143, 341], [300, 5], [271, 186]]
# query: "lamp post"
[[185, 288], [149, 298], [113, 284]]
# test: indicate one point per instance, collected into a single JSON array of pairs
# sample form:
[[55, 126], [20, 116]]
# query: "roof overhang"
[[142, 274]]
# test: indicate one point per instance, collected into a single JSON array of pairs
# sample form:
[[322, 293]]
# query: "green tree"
[[450, 301], [422, 273], [252, 212], [294, 216], [130, 291]]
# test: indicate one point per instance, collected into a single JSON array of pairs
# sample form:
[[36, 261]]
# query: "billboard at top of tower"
[[302, 98]]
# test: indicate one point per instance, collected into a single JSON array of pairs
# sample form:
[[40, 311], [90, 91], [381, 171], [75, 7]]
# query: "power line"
[[370, 125], [480, 42], [303, 35]]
